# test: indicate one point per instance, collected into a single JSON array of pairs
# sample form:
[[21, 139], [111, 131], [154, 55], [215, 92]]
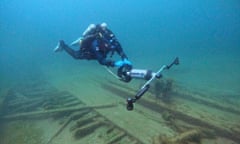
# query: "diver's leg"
[[75, 54]]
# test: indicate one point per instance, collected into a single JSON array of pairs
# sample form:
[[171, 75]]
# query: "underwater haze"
[[204, 34]]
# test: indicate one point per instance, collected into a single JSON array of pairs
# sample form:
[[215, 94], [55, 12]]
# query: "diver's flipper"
[[58, 48]]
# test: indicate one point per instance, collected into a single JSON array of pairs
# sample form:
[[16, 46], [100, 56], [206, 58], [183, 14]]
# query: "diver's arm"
[[102, 60], [115, 43], [120, 51]]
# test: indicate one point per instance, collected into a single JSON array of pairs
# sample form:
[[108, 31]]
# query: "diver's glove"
[[122, 62], [118, 63], [126, 61]]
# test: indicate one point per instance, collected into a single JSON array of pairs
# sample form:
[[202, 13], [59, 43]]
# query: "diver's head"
[[101, 27]]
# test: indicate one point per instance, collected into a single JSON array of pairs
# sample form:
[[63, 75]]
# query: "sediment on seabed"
[[180, 111]]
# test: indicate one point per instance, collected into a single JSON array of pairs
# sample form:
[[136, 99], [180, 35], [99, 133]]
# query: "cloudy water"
[[203, 34]]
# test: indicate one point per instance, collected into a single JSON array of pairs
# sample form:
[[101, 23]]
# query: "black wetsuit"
[[96, 45]]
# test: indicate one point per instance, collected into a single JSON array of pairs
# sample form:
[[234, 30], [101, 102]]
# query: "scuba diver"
[[96, 43]]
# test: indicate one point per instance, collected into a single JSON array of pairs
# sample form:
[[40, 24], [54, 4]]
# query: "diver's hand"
[[126, 61], [122, 62], [119, 63]]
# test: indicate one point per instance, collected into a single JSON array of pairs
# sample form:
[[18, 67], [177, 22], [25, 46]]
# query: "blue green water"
[[204, 34]]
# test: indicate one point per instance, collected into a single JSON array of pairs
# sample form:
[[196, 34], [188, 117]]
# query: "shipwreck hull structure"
[[168, 114]]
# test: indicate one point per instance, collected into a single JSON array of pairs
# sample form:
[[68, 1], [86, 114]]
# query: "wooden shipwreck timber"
[[165, 115]]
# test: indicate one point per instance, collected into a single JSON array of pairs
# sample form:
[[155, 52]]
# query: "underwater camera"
[[126, 73]]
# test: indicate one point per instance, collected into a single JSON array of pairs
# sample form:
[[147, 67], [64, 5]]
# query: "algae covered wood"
[[49, 112]]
